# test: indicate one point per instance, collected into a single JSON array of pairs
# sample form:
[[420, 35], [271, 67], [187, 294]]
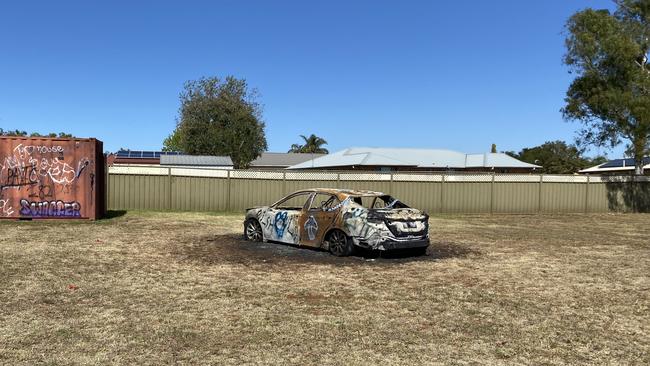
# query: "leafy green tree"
[[173, 142], [17, 133], [557, 157], [219, 117], [20, 133], [611, 93], [312, 144]]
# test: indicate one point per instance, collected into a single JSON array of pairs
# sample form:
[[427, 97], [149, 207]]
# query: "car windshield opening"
[[293, 202], [378, 202]]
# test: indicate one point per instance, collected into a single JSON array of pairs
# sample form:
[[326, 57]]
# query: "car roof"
[[342, 192]]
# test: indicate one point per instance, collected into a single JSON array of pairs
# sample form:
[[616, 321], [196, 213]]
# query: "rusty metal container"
[[52, 178]]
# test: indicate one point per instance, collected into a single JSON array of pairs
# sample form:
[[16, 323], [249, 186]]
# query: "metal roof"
[[195, 160], [616, 165], [282, 160], [138, 154], [406, 157]]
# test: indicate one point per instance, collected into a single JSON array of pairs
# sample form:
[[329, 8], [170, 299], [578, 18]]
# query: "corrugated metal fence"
[[156, 188]]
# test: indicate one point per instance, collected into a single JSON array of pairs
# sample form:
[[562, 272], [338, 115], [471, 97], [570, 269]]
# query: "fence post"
[[539, 198], [390, 185], [587, 195], [633, 184], [442, 194], [284, 183], [107, 188], [169, 189], [492, 195], [338, 180], [228, 192]]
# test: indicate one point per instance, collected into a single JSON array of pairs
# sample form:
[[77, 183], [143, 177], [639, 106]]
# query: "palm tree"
[[312, 145]]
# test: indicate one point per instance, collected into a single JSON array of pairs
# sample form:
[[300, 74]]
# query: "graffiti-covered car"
[[339, 220]]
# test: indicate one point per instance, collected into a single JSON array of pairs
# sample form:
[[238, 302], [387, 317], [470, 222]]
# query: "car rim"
[[253, 231], [337, 243]]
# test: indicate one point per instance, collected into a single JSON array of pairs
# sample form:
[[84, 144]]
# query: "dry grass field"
[[162, 288]]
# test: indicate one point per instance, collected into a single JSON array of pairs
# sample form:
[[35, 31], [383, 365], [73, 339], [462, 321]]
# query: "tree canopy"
[[20, 133], [312, 144], [610, 96], [557, 157], [219, 117]]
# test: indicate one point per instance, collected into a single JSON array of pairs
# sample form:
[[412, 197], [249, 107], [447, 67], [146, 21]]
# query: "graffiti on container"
[[19, 176], [25, 167], [44, 149], [41, 191], [5, 208], [50, 208]]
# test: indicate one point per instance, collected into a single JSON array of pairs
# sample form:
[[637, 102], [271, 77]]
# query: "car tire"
[[253, 231], [339, 244]]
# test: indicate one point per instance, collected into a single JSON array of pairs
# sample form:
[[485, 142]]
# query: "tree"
[[313, 144], [13, 133], [173, 142], [20, 133], [493, 150], [611, 93], [219, 117], [557, 157]]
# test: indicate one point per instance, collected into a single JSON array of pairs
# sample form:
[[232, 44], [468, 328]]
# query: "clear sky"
[[448, 74]]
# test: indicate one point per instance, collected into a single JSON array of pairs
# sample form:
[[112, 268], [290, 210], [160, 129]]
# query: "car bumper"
[[392, 244]]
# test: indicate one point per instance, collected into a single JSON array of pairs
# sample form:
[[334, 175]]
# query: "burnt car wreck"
[[339, 220]]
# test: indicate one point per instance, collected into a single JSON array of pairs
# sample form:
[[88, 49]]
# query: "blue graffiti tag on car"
[[280, 223], [311, 226]]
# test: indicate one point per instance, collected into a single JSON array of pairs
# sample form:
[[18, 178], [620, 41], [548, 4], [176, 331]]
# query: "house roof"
[[282, 160], [195, 160], [616, 165], [139, 154], [416, 158]]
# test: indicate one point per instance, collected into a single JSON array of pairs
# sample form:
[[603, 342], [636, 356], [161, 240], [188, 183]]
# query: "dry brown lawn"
[[161, 288]]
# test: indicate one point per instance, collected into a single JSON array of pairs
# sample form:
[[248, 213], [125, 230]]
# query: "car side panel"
[[313, 226], [280, 225]]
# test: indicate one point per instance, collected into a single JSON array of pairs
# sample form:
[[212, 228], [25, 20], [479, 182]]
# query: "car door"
[[281, 221], [318, 218]]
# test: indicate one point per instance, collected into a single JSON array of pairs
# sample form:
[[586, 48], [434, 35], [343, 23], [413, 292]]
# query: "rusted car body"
[[339, 220], [51, 178]]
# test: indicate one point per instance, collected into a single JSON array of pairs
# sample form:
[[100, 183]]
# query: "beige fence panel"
[[138, 192], [563, 197], [188, 189], [245, 193], [512, 197], [424, 195], [199, 194], [466, 197]]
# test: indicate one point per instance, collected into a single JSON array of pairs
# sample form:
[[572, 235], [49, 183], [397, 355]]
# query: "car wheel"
[[339, 244], [253, 230]]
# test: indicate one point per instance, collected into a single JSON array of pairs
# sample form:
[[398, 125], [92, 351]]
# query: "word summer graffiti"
[[50, 209]]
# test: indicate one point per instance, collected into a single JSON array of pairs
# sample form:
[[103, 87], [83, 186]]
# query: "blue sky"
[[431, 74]]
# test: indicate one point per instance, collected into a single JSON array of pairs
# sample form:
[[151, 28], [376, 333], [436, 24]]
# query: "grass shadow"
[[447, 250], [434, 252], [113, 214], [232, 248]]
